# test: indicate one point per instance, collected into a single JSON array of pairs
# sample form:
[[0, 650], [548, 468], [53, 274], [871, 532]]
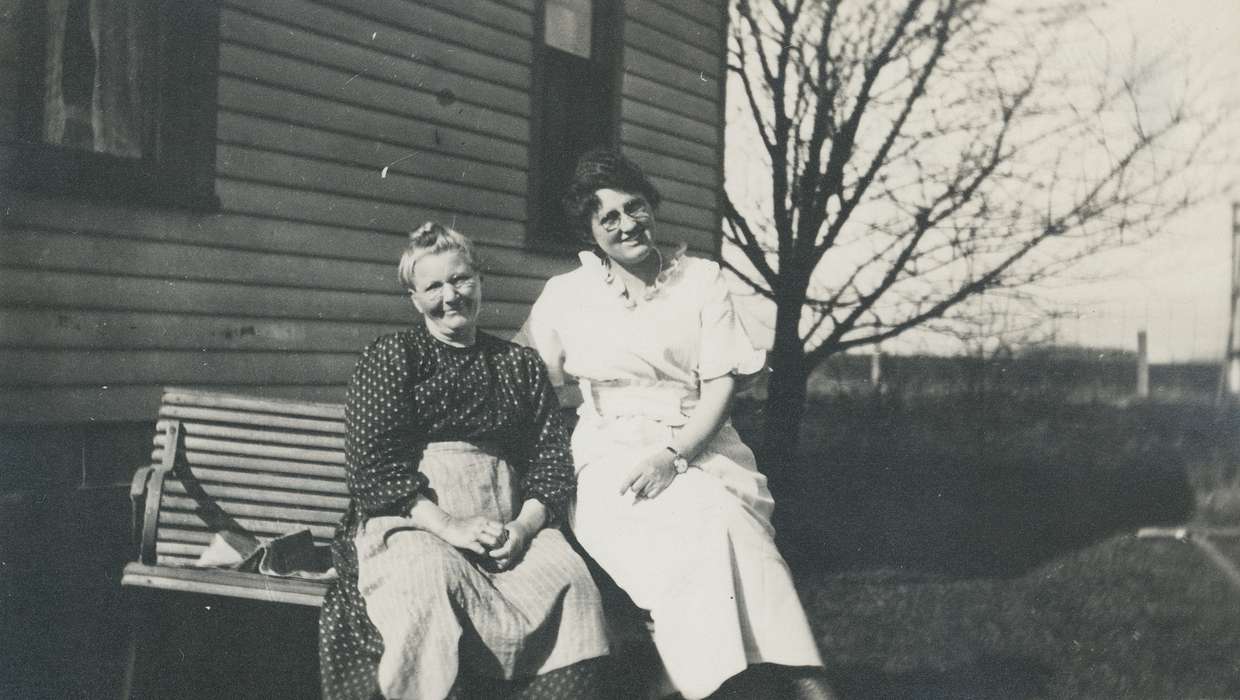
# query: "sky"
[[1176, 285]]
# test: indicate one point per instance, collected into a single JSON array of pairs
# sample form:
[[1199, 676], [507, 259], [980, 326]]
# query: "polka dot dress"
[[409, 389]]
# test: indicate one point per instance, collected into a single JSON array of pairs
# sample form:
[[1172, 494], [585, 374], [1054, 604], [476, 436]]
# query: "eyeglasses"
[[463, 285], [636, 209]]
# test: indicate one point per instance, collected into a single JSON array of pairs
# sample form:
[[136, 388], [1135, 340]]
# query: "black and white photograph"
[[619, 349]]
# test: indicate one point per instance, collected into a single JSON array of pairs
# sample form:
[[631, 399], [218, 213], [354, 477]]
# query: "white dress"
[[700, 556]]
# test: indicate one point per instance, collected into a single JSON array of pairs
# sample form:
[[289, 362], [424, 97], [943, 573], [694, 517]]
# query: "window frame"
[[607, 44], [179, 168]]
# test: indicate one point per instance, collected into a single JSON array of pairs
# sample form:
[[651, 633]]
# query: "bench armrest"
[[137, 501], [144, 493]]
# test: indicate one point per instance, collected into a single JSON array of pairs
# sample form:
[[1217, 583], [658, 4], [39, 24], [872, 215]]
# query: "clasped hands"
[[502, 546]]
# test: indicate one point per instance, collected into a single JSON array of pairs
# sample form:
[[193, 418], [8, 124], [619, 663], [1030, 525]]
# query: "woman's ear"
[[414, 298]]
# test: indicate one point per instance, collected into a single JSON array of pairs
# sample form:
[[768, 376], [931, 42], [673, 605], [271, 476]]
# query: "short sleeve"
[[726, 347], [539, 333]]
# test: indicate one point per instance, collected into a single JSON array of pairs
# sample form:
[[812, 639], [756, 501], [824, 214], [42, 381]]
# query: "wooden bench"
[[248, 466], [257, 466], [270, 466]]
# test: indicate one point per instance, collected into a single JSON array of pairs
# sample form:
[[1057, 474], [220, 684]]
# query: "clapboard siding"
[[656, 40], [61, 251], [136, 402], [337, 178], [246, 233], [678, 76], [638, 136], [683, 191], [54, 289], [687, 215], [660, 118], [696, 108], [686, 31], [671, 112], [491, 13], [10, 69], [85, 329], [420, 47], [701, 243], [328, 208], [360, 89], [77, 367], [252, 31], [708, 12], [460, 29], [341, 127], [298, 108], [526, 6], [282, 137], [677, 169]]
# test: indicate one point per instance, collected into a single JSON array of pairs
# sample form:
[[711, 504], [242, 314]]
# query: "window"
[[114, 99], [576, 103]]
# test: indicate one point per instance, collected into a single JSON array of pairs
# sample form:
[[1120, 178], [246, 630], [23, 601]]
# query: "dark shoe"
[[808, 684]]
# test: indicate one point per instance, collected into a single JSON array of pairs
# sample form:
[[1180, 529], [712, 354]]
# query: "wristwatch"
[[678, 460]]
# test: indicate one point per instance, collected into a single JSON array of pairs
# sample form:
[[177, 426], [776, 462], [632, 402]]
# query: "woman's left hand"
[[510, 550], [651, 476]]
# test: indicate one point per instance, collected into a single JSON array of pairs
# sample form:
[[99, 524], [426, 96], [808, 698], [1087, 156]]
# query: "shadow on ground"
[[988, 677], [975, 489]]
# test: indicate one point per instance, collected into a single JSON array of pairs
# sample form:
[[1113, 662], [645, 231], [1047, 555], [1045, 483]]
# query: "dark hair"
[[597, 169]]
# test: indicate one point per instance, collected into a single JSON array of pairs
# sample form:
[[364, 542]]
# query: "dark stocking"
[[584, 680]]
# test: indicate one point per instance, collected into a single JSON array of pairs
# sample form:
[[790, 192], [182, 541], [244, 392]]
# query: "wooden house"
[[234, 217]]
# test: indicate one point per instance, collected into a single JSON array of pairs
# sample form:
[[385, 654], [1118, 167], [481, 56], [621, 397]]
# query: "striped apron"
[[437, 609]]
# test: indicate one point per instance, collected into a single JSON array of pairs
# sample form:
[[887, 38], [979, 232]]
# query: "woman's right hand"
[[474, 534]]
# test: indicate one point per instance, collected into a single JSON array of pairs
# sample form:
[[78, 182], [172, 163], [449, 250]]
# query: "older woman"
[[669, 500], [457, 464]]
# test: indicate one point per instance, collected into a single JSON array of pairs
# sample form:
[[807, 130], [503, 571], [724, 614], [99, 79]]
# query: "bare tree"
[[914, 154]]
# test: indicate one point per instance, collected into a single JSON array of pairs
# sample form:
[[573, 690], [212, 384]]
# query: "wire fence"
[[1056, 377], [1178, 331]]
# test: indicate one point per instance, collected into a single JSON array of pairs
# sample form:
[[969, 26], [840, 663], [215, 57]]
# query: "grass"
[[1123, 618], [982, 545]]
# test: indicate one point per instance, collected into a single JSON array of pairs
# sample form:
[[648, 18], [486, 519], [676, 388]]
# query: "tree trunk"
[[785, 403], [785, 409]]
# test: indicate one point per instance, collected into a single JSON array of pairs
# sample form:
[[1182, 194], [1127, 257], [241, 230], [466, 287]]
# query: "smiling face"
[[448, 291], [623, 226]]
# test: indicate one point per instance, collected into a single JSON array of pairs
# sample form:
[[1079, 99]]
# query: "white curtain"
[[94, 75]]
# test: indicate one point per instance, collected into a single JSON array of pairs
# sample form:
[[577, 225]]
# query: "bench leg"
[[142, 669]]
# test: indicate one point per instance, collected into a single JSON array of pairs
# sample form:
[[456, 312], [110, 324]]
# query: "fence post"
[[1143, 367], [1229, 376], [876, 367]]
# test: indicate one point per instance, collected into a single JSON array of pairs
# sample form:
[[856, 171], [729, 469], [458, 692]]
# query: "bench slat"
[[294, 516], [172, 534], [176, 560], [336, 504], [264, 419], [271, 481], [256, 526], [330, 442], [331, 472], [232, 447], [220, 399], [179, 548], [235, 584], [186, 533]]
